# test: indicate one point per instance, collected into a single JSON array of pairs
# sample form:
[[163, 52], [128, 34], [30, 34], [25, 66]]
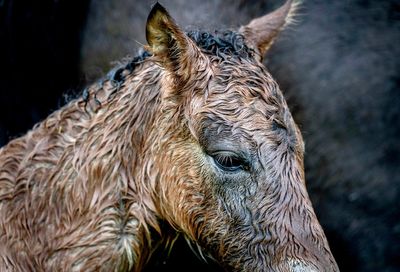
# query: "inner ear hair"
[[166, 40]]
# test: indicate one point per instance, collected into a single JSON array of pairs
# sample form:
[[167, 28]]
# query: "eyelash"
[[229, 162]]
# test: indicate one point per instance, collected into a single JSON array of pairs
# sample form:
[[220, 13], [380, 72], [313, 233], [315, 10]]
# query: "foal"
[[193, 134]]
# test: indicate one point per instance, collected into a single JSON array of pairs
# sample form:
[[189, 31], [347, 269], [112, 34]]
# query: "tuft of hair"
[[197, 250], [293, 14], [221, 44]]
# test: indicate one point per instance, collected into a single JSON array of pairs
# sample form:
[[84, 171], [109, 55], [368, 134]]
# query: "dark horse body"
[[198, 135]]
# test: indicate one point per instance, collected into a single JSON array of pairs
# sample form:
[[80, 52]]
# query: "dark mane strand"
[[222, 44]]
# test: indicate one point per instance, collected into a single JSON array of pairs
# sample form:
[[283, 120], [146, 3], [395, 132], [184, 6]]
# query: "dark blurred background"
[[339, 68]]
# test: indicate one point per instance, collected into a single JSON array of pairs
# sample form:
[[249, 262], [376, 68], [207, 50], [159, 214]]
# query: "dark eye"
[[229, 161]]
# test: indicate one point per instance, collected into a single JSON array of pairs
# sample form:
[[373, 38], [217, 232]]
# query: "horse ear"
[[261, 32], [168, 42]]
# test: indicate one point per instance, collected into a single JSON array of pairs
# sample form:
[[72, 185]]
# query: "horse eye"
[[229, 162]]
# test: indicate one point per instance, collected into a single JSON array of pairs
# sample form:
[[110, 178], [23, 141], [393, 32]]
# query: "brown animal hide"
[[194, 140]]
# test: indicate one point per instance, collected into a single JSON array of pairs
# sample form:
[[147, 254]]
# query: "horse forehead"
[[242, 112], [238, 67], [242, 73], [239, 88], [244, 92]]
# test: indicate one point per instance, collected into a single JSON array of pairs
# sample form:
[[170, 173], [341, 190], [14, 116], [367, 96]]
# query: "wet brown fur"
[[87, 188]]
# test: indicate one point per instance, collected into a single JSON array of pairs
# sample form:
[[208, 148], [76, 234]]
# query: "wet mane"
[[226, 44], [222, 44]]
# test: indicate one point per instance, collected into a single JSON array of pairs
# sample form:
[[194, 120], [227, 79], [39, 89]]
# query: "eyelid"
[[219, 156], [224, 153]]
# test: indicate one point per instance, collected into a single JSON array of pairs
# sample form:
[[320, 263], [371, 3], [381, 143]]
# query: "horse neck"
[[101, 142], [120, 127]]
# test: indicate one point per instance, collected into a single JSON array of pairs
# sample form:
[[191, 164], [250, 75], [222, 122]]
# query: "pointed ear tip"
[[156, 9], [156, 15], [157, 6]]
